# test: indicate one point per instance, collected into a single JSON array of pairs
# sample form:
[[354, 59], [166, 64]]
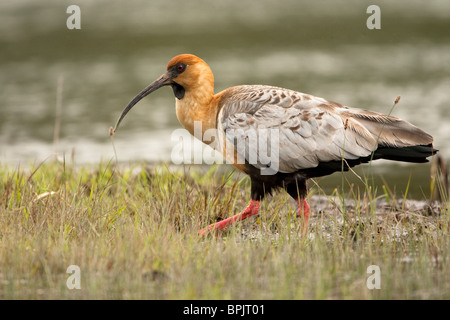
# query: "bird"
[[314, 136]]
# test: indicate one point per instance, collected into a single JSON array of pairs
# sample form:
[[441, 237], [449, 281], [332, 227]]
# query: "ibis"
[[313, 136]]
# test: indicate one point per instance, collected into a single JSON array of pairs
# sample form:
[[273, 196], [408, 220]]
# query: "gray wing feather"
[[299, 130]]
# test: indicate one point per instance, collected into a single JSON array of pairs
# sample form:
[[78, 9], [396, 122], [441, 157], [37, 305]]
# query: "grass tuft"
[[132, 230]]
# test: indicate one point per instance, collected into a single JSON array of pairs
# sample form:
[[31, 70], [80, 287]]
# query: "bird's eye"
[[180, 67]]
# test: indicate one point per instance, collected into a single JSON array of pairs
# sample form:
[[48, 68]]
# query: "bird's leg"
[[298, 191], [303, 212], [249, 211]]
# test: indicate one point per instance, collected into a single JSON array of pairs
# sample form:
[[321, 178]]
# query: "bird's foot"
[[249, 211]]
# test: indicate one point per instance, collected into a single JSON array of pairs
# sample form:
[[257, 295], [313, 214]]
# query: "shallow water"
[[323, 49]]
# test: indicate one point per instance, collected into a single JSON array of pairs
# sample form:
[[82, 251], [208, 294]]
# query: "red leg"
[[251, 210], [303, 210]]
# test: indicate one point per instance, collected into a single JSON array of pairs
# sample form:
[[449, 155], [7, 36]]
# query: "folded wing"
[[296, 131]]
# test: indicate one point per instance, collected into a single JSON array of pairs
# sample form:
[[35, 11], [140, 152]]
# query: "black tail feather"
[[416, 154]]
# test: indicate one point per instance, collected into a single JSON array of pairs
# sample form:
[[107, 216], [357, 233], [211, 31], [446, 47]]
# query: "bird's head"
[[185, 73]]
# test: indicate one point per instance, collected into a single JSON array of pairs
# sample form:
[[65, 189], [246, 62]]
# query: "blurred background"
[[322, 48]]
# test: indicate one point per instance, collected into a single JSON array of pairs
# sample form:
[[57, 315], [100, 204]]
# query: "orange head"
[[185, 73], [189, 73]]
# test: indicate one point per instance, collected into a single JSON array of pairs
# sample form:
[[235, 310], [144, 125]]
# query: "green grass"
[[132, 230]]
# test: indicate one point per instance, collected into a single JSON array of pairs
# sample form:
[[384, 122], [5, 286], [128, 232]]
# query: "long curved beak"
[[164, 80]]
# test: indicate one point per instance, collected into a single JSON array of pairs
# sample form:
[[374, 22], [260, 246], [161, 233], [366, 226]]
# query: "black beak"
[[164, 80]]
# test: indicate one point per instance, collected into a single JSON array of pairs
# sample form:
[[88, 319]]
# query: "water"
[[323, 49]]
